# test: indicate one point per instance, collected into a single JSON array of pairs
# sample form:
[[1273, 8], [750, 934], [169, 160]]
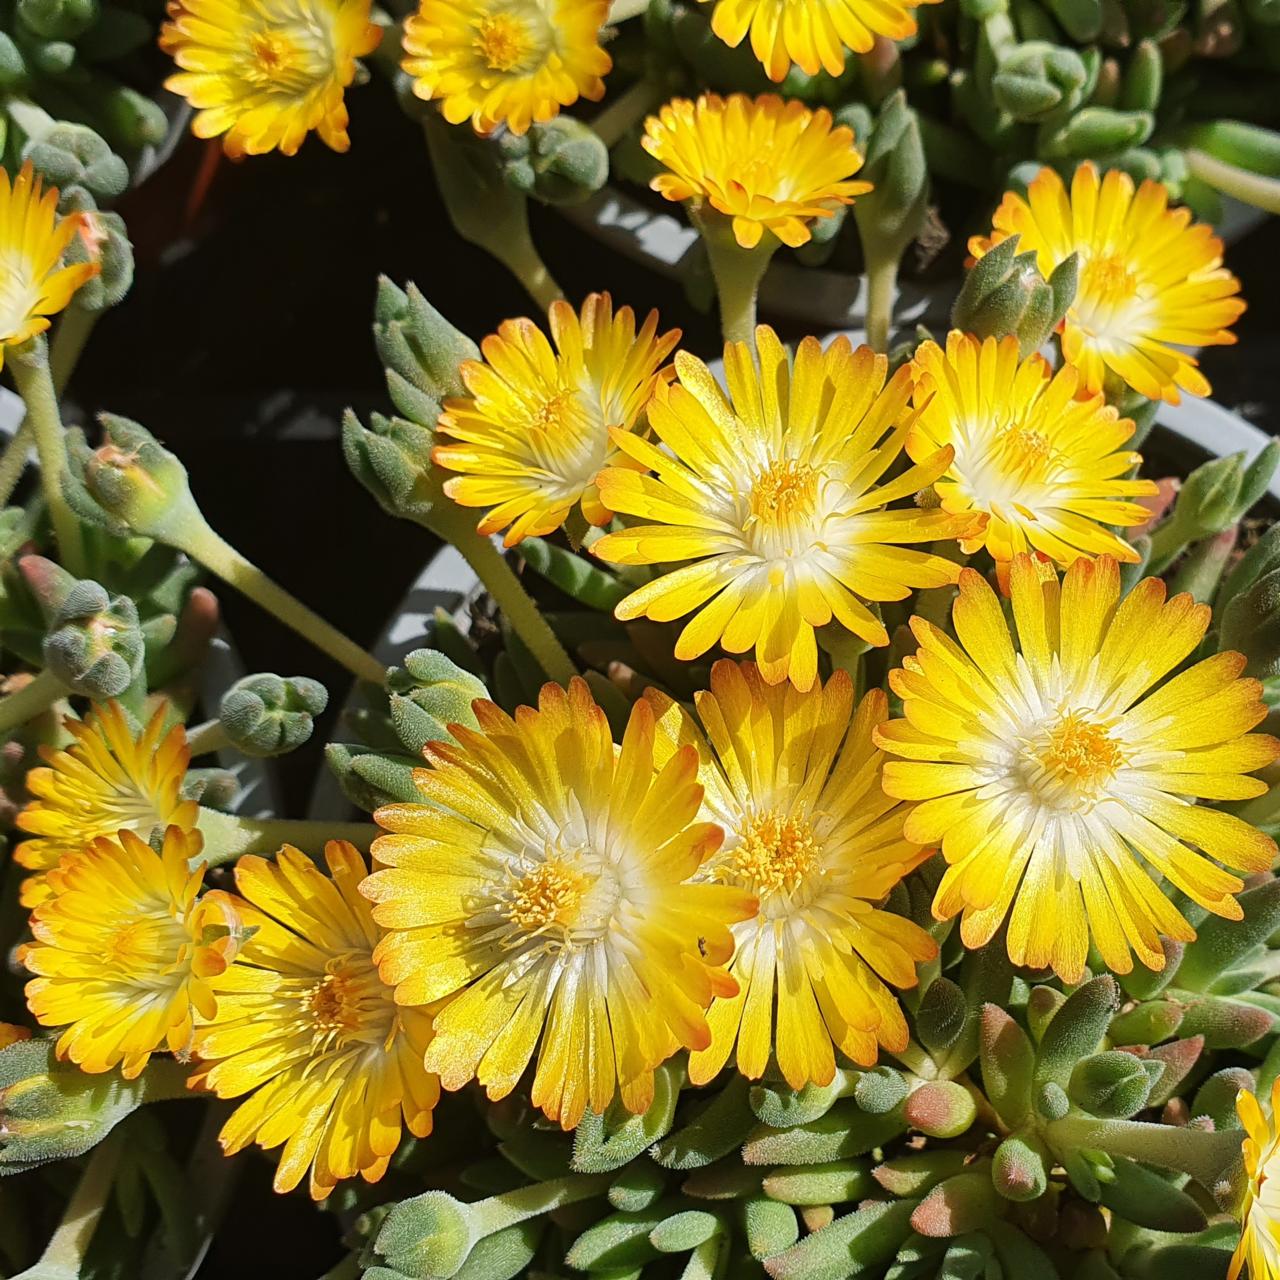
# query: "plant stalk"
[[882, 291], [737, 271], [626, 109], [207, 738], [228, 836]]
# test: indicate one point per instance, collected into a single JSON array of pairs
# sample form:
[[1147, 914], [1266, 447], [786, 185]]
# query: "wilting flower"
[[814, 34], [125, 949], [767, 164], [794, 780], [33, 239], [1047, 468], [307, 1028], [1059, 783], [509, 62], [541, 890], [1259, 1245], [773, 495], [265, 73], [535, 430], [1150, 282], [108, 780]]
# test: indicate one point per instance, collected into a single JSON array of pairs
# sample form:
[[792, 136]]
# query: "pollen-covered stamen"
[[287, 59], [777, 854], [549, 897], [1071, 763], [143, 946], [782, 508], [348, 1003], [511, 41], [1109, 296]]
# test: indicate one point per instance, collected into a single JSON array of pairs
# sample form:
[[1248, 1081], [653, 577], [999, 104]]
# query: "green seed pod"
[[1112, 1085], [73, 155], [95, 645], [560, 161], [268, 715]]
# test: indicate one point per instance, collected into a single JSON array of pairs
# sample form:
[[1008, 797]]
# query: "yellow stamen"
[[1108, 280], [549, 896], [777, 853], [787, 488], [504, 42]]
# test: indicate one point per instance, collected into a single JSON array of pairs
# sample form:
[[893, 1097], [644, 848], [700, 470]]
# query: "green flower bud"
[[95, 646], [1038, 79], [1112, 1085], [560, 161], [1146, 1199], [73, 155], [941, 1016], [214, 788], [892, 214], [269, 715], [1020, 1169], [1004, 293], [103, 239], [57, 19], [392, 459], [428, 694], [967, 1202], [941, 1109], [1251, 625], [421, 347]]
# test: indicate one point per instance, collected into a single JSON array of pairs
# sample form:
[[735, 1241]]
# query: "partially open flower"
[[33, 283], [262, 75], [1150, 283], [536, 429], [1259, 1245], [769, 165], [506, 61]]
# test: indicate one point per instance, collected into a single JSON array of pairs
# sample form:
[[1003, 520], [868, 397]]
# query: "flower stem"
[[34, 698], [626, 109], [622, 10], [497, 1213], [737, 273], [207, 738], [14, 461], [228, 836], [30, 367], [1251, 188], [217, 555], [882, 290]]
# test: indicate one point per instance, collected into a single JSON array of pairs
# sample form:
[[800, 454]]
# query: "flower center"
[[776, 853], [1072, 764], [19, 294], [785, 490], [508, 42], [288, 58], [549, 897], [557, 412], [1108, 281], [348, 1003], [146, 948]]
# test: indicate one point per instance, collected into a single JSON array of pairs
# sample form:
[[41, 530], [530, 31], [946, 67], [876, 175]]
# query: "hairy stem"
[[228, 836]]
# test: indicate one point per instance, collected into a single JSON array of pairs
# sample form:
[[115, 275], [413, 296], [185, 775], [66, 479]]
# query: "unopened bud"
[[1005, 294], [428, 694], [269, 715], [560, 161], [73, 155], [95, 646], [1112, 1085], [391, 458], [1038, 79], [420, 350], [103, 240]]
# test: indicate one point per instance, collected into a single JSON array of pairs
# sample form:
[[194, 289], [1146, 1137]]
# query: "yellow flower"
[[1259, 1245], [124, 951], [814, 34], [1150, 281], [33, 239], [308, 1029], [534, 432], [544, 882], [1046, 467], [765, 163], [773, 495], [509, 62], [1060, 783], [264, 73], [108, 780], [12, 1034], [794, 780]]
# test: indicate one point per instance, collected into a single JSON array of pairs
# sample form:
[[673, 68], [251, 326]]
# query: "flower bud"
[[269, 715], [1038, 79], [391, 458], [892, 213], [57, 19], [428, 694], [95, 646], [214, 788], [560, 161], [1112, 1085], [104, 240], [73, 155], [941, 1109], [1020, 1169]]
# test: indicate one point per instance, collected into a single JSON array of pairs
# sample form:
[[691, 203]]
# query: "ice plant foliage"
[[1258, 1252], [814, 34], [1151, 281], [1047, 466], [506, 62], [774, 496], [542, 892], [34, 284], [126, 950], [768, 164], [794, 780], [262, 74], [109, 779], [1061, 772], [305, 1027], [536, 429]]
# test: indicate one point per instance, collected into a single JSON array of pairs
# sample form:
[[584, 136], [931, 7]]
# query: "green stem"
[[228, 836], [626, 109], [882, 289], [14, 461], [737, 273], [1252, 188], [348, 1269], [217, 555], [206, 738], [453, 525], [623, 10], [497, 1213], [30, 367], [33, 699]]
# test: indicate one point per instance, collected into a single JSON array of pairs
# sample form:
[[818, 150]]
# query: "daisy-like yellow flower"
[[814, 34], [535, 430], [1151, 282], [263, 73], [1047, 468], [542, 892], [307, 1028], [794, 780], [33, 238], [1259, 1245], [107, 781], [125, 950], [773, 495], [769, 165], [1061, 775], [509, 62]]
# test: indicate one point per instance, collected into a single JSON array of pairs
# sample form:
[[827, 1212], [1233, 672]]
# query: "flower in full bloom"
[[1259, 1245], [769, 165], [125, 950], [773, 495], [1061, 775], [1046, 467], [794, 781], [814, 34], [262, 74], [509, 62], [541, 892], [534, 433], [1151, 282], [309, 1031], [33, 238], [109, 779]]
